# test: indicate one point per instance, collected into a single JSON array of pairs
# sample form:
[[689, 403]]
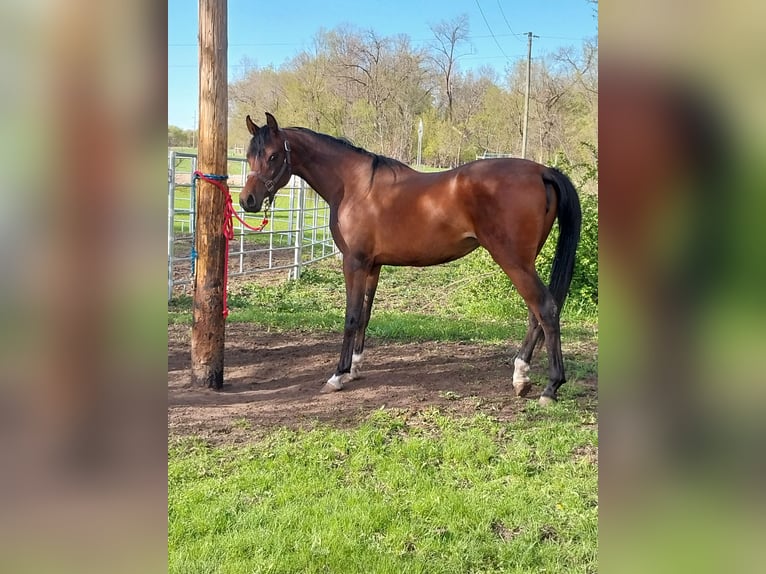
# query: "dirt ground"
[[273, 380]]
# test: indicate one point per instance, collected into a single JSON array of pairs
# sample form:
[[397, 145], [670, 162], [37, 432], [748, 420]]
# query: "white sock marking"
[[356, 364], [520, 371], [336, 382]]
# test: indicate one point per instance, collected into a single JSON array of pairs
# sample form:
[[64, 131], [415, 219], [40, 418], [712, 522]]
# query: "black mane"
[[377, 159]]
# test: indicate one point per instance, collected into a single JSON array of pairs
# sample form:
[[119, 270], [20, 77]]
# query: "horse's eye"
[[273, 157]]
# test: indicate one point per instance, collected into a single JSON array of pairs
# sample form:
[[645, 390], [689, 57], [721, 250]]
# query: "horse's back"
[[502, 173]]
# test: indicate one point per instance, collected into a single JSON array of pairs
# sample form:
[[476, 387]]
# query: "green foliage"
[[397, 494], [583, 294], [179, 137], [582, 172]]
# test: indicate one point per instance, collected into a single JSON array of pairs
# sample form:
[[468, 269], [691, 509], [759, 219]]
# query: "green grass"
[[466, 300], [397, 494]]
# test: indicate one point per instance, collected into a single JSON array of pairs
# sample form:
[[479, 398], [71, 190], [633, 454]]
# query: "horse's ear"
[[251, 127], [271, 122]]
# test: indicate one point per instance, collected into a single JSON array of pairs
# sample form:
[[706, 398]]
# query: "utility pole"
[[526, 97], [420, 141], [208, 322]]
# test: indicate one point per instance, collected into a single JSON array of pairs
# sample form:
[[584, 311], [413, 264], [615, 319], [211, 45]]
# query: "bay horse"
[[383, 212]]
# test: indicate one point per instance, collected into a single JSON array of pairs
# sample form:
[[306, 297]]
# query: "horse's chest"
[[356, 222]]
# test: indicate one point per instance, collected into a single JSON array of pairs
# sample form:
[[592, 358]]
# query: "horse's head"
[[269, 159]]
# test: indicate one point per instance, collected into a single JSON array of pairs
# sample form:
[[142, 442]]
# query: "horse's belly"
[[425, 252]]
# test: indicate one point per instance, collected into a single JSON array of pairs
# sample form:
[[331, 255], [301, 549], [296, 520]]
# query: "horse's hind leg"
[[521, 382], [542, 304]]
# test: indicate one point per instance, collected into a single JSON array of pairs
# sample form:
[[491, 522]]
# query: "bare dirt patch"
[[273, 380]]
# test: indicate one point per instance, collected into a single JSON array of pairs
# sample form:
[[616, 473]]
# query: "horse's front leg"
[[356, 274], [369, 297]]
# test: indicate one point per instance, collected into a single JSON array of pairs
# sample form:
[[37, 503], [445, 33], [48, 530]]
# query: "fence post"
[[193, 203], [171, 218], [241, 227], [314, 209], [299, 229], [291, 210]]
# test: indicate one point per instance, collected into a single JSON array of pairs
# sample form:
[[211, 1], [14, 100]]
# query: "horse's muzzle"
[[249, 205]]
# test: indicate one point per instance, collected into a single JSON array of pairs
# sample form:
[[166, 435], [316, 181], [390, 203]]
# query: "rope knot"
[[229, 213]]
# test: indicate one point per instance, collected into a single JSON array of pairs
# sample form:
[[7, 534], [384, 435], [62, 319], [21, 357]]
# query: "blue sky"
[[272, 32]]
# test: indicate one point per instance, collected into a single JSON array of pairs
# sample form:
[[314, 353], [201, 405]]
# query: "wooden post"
[[208, 323]]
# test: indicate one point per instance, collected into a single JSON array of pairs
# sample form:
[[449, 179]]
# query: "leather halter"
[[271, 183]]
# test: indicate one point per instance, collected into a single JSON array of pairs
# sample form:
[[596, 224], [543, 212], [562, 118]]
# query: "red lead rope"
[[228, 226]]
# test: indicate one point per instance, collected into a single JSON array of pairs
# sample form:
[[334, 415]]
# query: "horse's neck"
[[320, 164]]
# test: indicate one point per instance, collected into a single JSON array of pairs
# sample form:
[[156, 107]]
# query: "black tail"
[[570, 222]]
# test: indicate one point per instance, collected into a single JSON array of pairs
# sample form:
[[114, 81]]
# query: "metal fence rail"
[[298, 233]]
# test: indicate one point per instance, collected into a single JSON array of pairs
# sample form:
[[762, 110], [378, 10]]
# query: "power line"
[[414, 40], [246, 45], [507, 24], [561, 38], [490, 30]]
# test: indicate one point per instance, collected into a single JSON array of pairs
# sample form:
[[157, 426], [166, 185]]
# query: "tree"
[[380, 84], [179, 137], [258, 90], [448, 35], [490, 127]]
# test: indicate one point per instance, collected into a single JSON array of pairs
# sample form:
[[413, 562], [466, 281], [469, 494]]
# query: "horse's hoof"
[[335, 383], [328, 388], [546, 401], [522, 388], [521, 382]]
